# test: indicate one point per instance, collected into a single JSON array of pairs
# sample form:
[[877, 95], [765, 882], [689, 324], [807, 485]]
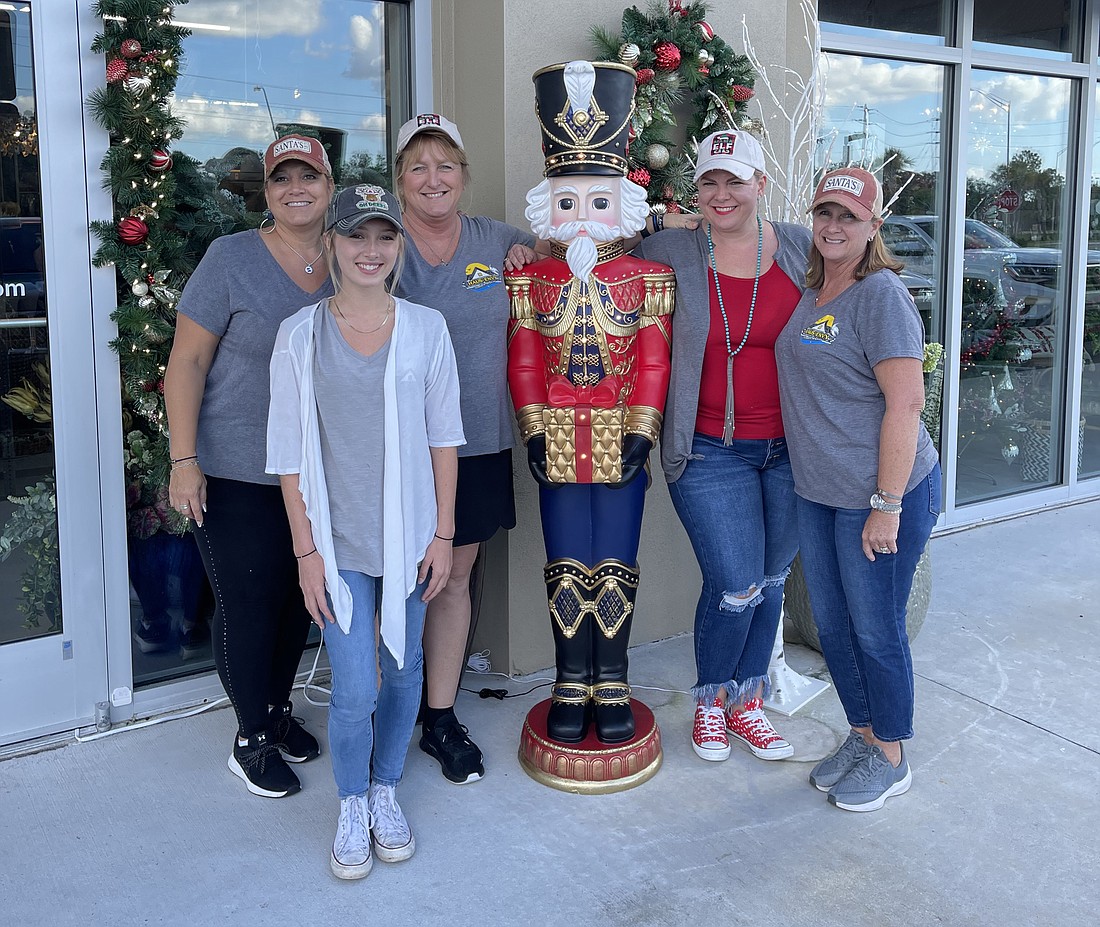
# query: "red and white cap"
[[425, 122], [853, 187], [729, 150], [297, 148]]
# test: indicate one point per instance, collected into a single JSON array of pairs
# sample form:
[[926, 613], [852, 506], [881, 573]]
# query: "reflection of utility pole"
[[259, 88]]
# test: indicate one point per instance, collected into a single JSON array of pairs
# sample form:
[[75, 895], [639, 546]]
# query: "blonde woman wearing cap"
[[867, 478], [455, 264], [738, 279], [362, 432], [216, 392]]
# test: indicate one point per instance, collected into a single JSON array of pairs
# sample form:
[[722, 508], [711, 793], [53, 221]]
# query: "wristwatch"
[[881, 505]]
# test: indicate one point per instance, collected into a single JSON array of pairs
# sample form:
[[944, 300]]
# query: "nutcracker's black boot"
[[614, 591], [567, 593]]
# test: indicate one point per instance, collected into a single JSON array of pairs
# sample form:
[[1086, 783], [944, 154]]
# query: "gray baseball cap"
[[353, 206]]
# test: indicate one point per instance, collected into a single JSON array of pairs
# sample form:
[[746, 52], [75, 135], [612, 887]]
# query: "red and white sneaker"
[[755, 731], [708, 736]]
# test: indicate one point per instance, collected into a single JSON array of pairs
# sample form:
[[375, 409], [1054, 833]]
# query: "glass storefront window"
[[1013, 345], [30, 576], [339, 71], [1049, 30], [1089, 465], [887, 115], [896, 19]]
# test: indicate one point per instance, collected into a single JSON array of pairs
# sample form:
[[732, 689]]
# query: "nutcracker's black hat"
[[584, 110]]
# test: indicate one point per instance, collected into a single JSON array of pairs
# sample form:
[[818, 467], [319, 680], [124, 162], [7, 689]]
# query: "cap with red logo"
[[296, 148], [425, 122], [853, 187], [730, 150]]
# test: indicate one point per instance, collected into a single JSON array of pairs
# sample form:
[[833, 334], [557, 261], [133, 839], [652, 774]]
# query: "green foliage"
[[715, 87], [32, 528]]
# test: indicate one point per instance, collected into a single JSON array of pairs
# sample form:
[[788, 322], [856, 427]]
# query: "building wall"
[[485, 54]]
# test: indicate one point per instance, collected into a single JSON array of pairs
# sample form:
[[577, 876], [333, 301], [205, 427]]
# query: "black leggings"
[[260, 620]]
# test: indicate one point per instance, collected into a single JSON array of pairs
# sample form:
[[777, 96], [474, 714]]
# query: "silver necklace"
[[731, 352], [301, 257], [362, 331]]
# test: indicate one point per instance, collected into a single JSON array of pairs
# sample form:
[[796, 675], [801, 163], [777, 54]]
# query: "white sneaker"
[[393, 839], [351, 856], [708, 734]]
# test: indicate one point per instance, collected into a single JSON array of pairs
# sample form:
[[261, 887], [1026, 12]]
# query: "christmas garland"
[[165, 216], [678, 58]]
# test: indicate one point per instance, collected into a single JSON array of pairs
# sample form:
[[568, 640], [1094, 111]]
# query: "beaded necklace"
[[731, 352]]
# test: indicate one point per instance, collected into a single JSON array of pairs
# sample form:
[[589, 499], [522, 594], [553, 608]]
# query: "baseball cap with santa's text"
[[297, 148]]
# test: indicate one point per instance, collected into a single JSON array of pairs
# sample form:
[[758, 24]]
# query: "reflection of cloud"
[[375, 122], [850, 79], [365, 53], [1030, 98], [243, 125], [253, 19]]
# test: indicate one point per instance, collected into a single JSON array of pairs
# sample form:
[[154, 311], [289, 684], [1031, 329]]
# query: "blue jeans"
[[859, 606], [737, 504], [355, 659]]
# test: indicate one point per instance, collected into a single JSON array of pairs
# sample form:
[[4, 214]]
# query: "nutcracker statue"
[[588, 369]]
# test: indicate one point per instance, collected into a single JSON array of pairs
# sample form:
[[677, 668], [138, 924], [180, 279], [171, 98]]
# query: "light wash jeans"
[[738, 507], [361, 718], [859, 606]]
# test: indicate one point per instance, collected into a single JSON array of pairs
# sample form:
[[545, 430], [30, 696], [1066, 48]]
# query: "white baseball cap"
[[422, 123], [729, 150]]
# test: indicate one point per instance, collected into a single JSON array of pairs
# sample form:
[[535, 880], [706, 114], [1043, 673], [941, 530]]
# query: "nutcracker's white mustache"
[[567, 231]]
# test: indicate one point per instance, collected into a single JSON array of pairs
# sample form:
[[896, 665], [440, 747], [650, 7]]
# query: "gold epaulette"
[[519, 293], [660, 294]]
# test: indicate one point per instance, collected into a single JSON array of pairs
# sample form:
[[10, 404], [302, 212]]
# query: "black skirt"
[[484, 500]]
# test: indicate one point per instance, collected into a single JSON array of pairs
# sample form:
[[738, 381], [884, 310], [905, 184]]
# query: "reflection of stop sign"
[[1008, 200]]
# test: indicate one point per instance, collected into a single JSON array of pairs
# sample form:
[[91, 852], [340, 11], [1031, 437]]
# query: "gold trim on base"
[[591, 788]]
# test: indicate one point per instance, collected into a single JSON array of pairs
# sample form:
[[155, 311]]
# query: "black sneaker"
[[194, 641], [261, 767], [152, 637], [295, 743], [457, 754]]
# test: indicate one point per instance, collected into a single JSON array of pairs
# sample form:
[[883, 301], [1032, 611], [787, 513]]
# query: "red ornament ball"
[[160, 160], [116, 70], [668, 56], [132, 231], [645, 76], [741, 93], [640, 176], [130, 48], [705, 30]]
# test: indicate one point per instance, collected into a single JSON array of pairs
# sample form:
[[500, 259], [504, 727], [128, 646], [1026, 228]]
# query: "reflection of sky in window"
[[320, 63]]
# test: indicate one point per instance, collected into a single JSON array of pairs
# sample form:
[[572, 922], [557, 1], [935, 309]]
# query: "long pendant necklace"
[[368, 331], [301, 257], [727, 426], [451, 244]]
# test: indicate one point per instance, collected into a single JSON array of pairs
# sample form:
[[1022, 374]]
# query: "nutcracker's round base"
[[590, 767]]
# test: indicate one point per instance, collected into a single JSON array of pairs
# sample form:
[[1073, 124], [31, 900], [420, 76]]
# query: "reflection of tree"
[[1040, 190], [364, 167], [917, 196]]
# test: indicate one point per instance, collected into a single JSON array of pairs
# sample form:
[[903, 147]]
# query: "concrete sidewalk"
[[1000, 827]]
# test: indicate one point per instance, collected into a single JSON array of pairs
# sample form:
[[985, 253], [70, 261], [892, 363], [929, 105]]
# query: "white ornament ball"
[[138, 83], [1024, 356], [1010, 451], [657, 156], [139, 288], [629, 54]]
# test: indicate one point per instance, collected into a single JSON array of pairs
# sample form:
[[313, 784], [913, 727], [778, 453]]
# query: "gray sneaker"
[[351, 856], [870, 782], [393, 839], [833, 768]]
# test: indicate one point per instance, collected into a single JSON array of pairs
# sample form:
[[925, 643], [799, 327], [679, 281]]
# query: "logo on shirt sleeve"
[[481, 277], [823, 331]]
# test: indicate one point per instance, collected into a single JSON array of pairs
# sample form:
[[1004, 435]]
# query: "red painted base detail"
[[590, 767]]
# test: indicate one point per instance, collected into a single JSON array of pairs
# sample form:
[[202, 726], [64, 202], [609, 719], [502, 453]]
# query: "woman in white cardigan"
[[363, 430]]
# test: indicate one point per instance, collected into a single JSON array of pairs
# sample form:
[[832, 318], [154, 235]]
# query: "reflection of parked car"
[[1028, 277]]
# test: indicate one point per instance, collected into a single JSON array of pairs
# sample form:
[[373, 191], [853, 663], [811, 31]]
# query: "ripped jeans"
[[738, 506]]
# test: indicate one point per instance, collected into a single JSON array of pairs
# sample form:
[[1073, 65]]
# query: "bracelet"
[[889, 496], [440, 536], [306, 554], [881, 505], [658, 222], [176, 460], [186, 462]]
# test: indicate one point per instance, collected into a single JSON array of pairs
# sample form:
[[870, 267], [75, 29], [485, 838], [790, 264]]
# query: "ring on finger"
[[882, 550]]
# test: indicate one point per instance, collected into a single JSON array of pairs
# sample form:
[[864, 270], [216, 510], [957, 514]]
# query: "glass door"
[[52, 629]]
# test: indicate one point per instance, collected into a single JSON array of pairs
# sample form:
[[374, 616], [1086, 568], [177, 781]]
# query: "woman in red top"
[[738, 280]]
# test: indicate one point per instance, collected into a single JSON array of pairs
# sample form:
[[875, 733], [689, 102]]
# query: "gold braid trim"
[[519, 292], [529, 419], [644, 421], [660, 295]]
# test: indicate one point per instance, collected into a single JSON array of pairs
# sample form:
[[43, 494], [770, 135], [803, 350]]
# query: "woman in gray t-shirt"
[[455, 264], [867, 478]]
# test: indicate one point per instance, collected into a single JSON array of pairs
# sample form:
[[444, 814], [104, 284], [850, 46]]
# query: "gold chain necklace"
[[301, 257], [451, 244], [370, 331]]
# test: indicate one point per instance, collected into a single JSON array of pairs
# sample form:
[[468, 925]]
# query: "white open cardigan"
[[421, 411]]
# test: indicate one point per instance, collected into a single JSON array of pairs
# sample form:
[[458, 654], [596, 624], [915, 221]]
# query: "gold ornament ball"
[[657, 156], [629, 54]]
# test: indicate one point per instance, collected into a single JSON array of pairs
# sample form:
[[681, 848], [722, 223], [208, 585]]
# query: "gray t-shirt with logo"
[[469, 291], [241, 294], [832, 404], [352, 415]]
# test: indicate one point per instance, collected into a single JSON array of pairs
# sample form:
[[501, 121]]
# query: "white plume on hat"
[[580, 81]]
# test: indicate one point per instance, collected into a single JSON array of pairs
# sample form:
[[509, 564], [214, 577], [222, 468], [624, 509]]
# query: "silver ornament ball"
[[139, 288], [629, 54], [657, 156]]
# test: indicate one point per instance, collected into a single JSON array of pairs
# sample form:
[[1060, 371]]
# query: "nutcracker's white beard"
[[581, 251]]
